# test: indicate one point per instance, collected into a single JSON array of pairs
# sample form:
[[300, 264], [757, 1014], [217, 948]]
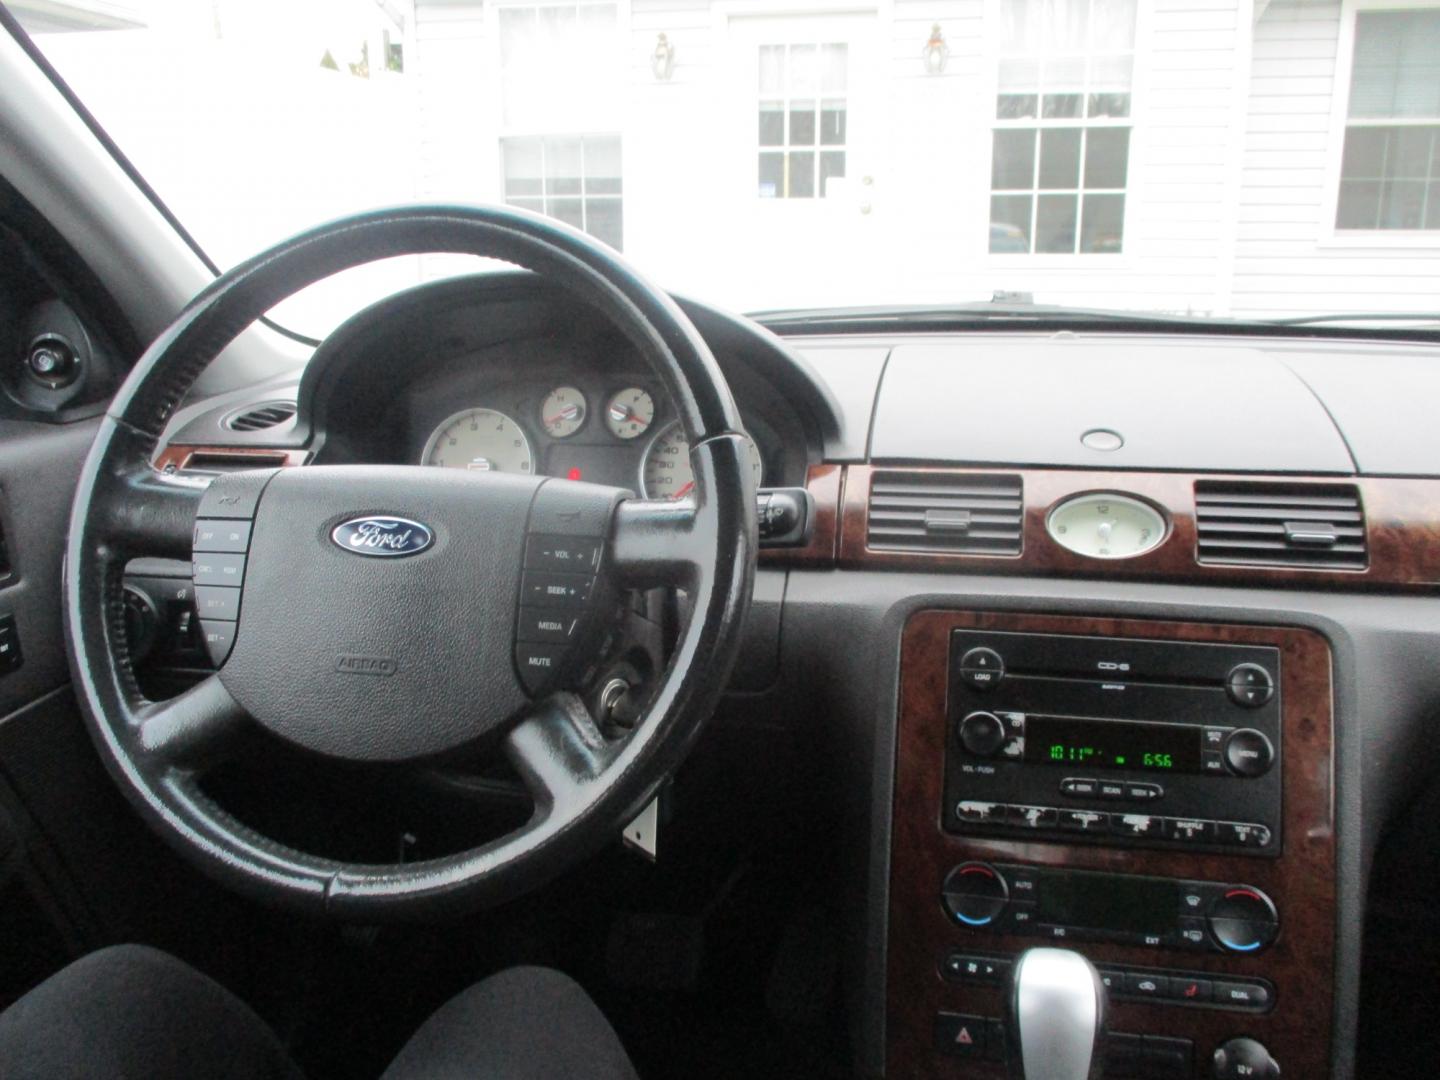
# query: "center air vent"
[[1321, 526], [949, 513], [261, 416]]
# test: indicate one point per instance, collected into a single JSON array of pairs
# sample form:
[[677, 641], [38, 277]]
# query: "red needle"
[[567, 413], [684, 490]]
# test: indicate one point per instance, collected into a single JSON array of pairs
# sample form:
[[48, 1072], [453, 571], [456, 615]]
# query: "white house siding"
[[1288, 258], [1214, 222]]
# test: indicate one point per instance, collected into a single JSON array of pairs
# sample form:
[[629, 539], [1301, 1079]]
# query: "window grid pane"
[[1062, 126], [575, 178], [802, 107]]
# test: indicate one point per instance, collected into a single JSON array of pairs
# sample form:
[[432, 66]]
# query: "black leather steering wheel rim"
[[585, 784]]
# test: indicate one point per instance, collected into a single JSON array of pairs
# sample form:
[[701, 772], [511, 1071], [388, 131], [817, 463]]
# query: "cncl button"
[[975, 893]]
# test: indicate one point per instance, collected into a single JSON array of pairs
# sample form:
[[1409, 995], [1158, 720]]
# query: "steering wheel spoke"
[[657, 542], [559, 752], [146, 512], [194, 731]]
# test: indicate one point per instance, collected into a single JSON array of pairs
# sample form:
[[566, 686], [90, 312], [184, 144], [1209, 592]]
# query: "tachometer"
[[630, 413], [480, 439], [666, 472]]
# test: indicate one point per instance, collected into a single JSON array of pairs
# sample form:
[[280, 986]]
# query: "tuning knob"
[[1243, 1059], [982, 733], [1243, 919]]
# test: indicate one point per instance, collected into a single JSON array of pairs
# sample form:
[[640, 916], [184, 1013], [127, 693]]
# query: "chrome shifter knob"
[[1055, 1022]]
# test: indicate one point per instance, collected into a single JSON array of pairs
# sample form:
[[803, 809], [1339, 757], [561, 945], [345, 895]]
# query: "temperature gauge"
[[1106, 525], [563, 411]]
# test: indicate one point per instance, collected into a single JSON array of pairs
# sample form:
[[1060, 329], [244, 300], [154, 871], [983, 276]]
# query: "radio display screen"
[[1134, 905], [1112, 744]]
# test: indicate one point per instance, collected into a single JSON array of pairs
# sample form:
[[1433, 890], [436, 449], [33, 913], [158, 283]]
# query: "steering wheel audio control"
[[1243, 919], [975, 893]]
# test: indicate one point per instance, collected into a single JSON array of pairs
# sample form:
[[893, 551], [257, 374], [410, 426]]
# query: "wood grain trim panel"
[[824, 483], [1301, 881], [1402, 525], [173, 458]]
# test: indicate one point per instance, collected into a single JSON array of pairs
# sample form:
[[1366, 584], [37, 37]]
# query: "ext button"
[[555, 590], [572, 554], [546, 624], [219, 638], [217, 569], [232, 536], [217, 602]]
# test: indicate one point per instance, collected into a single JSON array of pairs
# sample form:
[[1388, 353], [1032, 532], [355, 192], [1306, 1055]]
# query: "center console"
[[1154, 795]]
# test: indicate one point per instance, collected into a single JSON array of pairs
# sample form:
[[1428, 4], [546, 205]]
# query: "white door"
[[804, 185]]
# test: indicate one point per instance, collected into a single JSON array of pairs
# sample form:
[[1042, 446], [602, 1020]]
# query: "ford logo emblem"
[[387, 537]]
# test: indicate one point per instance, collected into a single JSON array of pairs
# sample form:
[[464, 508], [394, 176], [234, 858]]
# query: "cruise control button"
[[217, 569], [570, 554], [1249, 995], [233, 536], [538, 663], [545, 624], [217, 602], [219, 638], [555, 590]]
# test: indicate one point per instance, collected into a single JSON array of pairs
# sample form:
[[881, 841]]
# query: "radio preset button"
[[1248, 753], [982, 813], [1084, 821], [1191, 830], [1079, 787], [1034, 817], [1242, 834], [1143, 826], [981, 733], [982, 668]]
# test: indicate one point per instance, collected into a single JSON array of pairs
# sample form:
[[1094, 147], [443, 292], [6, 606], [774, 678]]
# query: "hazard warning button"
[[959, 1035]]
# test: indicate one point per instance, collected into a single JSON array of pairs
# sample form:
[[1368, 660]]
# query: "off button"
[[982, 668]]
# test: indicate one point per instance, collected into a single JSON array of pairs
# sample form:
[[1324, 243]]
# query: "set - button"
[[217, 569]]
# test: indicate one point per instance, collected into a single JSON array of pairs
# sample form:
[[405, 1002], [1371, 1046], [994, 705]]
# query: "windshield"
[[1227, 158]]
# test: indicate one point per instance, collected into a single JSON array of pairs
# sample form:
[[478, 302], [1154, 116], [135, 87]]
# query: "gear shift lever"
[[1055, 1021]]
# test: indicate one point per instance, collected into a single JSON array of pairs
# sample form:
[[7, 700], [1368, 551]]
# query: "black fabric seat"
[[131, 1012]]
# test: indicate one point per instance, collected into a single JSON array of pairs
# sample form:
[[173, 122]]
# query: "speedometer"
[[666, 473], [481, 439]]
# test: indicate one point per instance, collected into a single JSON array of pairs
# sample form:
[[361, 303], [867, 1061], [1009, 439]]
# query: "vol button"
[[981, 733]]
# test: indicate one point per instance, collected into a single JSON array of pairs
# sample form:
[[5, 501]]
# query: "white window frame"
[[1331, 236], [1003, 261], [785, 148], [496, 86]]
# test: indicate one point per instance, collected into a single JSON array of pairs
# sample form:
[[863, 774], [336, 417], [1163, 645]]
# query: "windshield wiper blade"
[[978, 311], [1425, 318]]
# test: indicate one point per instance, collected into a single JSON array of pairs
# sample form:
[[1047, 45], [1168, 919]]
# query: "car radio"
[[1114, 741]]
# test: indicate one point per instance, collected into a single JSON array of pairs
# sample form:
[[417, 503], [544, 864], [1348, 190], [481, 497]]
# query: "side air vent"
[[1321, 526], [261, 416], [947, 513]]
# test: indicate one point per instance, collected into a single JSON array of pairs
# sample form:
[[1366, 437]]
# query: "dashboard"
[[1205, 573]]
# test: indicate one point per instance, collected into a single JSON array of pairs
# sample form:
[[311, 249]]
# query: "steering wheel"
[[406, 615]]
